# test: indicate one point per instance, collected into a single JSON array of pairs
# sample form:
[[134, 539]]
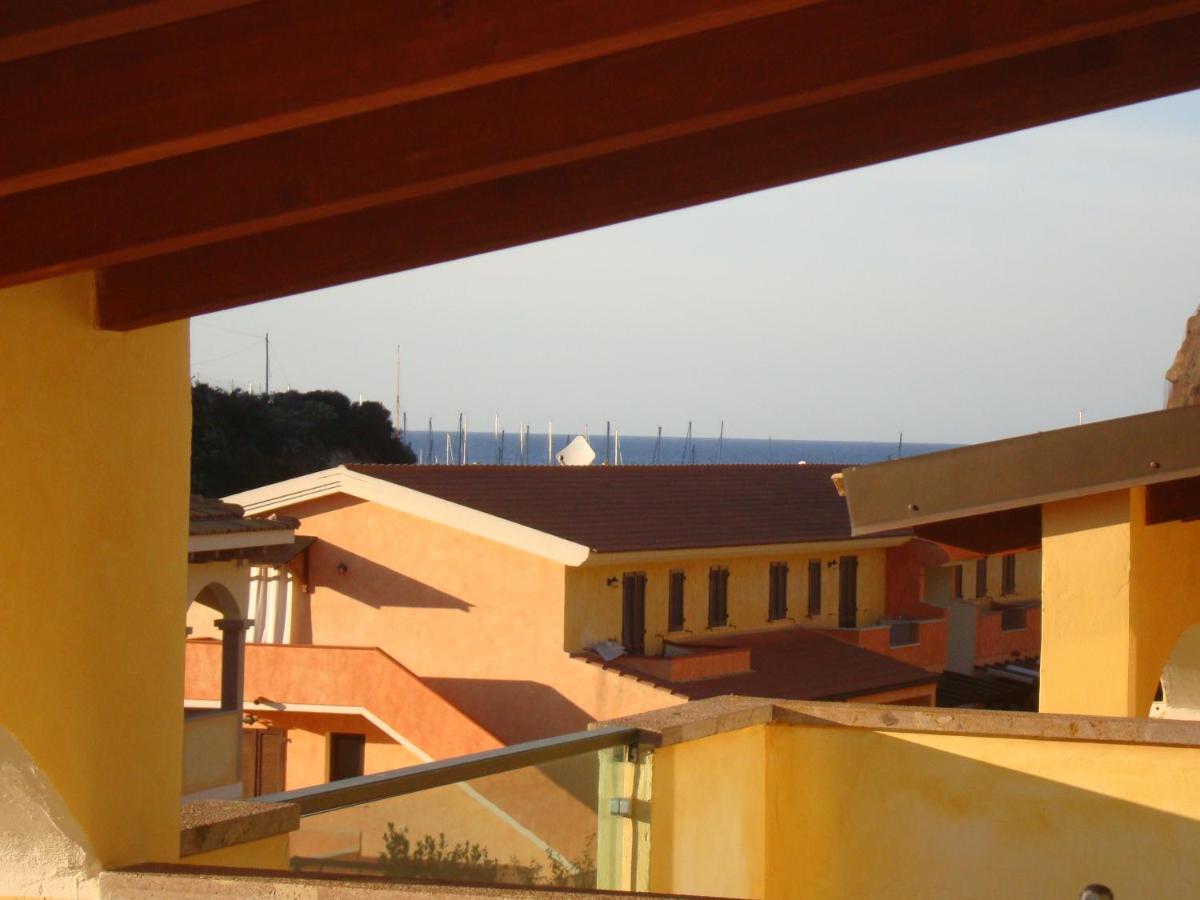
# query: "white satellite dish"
[[577, 453]]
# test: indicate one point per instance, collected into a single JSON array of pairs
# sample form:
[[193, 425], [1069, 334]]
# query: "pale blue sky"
[[963, 295]]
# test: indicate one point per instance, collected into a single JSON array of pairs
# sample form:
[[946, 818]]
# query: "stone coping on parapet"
[[703, 718], [207, 825], [181, 881]]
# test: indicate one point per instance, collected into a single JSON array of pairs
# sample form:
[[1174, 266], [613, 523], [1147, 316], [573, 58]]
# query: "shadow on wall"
[[1052, 815], [513, 711], [366, 581]]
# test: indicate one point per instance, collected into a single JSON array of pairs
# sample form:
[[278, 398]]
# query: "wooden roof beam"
[[691, 168], [263, 67], [697, 83]]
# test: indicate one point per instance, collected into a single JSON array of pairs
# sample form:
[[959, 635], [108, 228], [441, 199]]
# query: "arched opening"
[[1181, 679], [214, 597]]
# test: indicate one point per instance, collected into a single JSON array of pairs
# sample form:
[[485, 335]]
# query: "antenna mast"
[[396, 408]]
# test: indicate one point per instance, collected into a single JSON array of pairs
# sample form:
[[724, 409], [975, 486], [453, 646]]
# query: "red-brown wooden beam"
[[268, 66], [696, 167], [32, 27], [689, 85]]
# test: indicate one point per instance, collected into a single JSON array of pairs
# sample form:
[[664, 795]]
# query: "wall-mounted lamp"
[[342, 568], [613, 581], [832, 564]]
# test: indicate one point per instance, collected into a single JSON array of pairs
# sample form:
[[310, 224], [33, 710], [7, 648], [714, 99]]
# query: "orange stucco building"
[[482, 599]]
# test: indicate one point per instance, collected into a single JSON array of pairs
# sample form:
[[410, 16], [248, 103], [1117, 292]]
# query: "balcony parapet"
[[704, 718], [209, 825]]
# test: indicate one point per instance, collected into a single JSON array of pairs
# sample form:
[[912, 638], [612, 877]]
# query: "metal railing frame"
[[411, 779]]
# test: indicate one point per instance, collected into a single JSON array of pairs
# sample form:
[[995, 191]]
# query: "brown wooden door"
[[633, 613], [264, 761], [848, 592]]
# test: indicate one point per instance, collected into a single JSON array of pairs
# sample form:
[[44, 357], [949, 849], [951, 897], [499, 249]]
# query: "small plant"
[[434, 858]]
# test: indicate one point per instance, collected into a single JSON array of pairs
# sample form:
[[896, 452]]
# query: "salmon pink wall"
[[343, 677], [993, 645], [929, 652], [480, 622]]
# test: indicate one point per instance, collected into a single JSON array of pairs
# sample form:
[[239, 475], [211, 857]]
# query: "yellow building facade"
[[593, 591], [96, 439]]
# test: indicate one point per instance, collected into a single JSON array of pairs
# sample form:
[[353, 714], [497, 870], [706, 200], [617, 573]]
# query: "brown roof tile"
[[626, 508], [209, 516], [795, 664]]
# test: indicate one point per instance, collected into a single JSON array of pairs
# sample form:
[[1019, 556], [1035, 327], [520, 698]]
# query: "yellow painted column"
[[94, 446], [1087, 646], [1166, 593]]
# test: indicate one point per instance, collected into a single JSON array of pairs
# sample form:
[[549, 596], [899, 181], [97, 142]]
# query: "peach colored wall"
[[993, 645], [480, 621], [348, 677], [929, 652]]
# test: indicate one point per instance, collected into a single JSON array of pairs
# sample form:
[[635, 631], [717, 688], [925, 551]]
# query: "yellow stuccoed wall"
[[1117, 595], [1086, 642], [93, 542], [594, 607], [782, 811], [1166, 594], [265, 853], [708, 816]]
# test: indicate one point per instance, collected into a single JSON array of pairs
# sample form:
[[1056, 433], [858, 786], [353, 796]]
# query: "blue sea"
[[640, 450]]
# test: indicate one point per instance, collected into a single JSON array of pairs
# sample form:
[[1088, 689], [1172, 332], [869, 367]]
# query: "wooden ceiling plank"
[[693, 84], [272, 65], [695, 168], [30, 29]]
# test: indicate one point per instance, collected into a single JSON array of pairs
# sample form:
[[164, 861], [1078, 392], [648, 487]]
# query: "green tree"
[[241, 441]]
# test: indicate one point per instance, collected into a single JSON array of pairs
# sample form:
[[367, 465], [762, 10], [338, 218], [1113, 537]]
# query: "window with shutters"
[[718, 596], [1008, 575], [346, 753], [981, 577], [958, 582], [675, 601], [777, 599], [814, 588]]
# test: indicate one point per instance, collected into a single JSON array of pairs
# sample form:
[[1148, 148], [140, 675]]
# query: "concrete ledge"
[[702, 718], [207, 825], [162, 880]]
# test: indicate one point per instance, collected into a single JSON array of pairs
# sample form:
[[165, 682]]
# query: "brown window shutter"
[[272, 765], [675, 601], [777, 601], [814, 587], [981, 577], [958, 581], [1008, 575]]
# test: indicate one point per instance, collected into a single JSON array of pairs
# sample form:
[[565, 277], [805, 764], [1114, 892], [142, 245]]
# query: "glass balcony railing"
[[556, 812]]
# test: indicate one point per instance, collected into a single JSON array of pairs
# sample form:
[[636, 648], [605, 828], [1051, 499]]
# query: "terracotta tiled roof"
[[620, 508], [208, 516], [795, 664]]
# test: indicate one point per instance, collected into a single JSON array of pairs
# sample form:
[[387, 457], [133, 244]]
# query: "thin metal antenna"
[[396, 408], [721, 441], [687, 445], [607, 442], [656, 457], [900, 446]]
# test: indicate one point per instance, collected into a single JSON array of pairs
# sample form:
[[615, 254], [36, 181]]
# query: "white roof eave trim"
[[406, 500]]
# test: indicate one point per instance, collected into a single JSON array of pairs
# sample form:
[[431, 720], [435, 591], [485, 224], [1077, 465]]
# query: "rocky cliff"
[[1184, 373]]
